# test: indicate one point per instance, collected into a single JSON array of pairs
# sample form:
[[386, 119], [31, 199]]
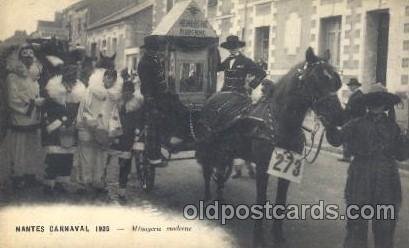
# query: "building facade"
[[79, 16], [367, 39], [122, 33], [49, 29]]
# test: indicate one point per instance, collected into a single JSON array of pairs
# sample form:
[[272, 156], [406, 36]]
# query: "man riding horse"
[[236, 67], [224, 108]]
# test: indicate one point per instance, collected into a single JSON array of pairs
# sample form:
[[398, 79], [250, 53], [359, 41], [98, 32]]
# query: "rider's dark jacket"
[[235, 76]]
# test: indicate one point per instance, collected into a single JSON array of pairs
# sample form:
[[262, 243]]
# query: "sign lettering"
[[192, 32]]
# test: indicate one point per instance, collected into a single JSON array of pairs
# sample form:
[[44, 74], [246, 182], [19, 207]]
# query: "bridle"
[[314, 99], [316, 102]]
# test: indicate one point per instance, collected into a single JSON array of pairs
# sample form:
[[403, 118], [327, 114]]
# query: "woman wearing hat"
[[64, 93], [24, 101], [376, 142]]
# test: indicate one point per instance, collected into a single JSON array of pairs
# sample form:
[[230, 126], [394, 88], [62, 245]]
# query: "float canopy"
[[185, 19]]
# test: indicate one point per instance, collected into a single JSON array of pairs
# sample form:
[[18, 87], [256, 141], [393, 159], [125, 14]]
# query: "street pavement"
[[181, 183]]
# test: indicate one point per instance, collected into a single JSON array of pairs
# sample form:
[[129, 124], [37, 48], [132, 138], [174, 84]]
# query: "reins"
[[311, 147]]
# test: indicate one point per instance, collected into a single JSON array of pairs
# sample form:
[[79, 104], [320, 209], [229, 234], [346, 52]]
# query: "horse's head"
[[106, 62], [320, 83]]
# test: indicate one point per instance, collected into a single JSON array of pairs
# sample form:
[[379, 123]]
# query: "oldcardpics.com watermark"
[[320, 211]]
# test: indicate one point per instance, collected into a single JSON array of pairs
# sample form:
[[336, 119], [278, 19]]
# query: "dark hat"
[[354, 81], [377, 95], [150, 42], [232, 42], [76, 55], [69, 73]]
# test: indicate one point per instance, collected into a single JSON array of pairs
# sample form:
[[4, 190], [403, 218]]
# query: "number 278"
[[288, 159]]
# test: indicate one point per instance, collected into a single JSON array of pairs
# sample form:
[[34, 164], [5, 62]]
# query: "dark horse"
[[309, 85]]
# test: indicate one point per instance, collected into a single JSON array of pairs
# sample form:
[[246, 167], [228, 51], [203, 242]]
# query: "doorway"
[[377, 35]]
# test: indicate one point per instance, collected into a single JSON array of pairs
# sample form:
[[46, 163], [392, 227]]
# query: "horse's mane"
[[286, 83]]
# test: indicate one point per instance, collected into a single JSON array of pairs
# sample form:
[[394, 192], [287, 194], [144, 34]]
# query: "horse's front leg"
[[207, 174], [261, 186], [281, 199], [220, 180]]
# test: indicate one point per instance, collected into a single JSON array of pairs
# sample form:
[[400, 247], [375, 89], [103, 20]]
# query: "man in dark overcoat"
[[153, 86], [352, 110]]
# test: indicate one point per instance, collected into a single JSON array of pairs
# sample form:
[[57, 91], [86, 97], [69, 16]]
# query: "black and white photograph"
[[204, 123]]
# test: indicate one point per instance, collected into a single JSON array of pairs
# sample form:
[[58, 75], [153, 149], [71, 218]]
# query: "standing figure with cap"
[[376, 142], [352, 110], [153, 87], [237, 68], [121, 152], [63, 96], [24, 102]]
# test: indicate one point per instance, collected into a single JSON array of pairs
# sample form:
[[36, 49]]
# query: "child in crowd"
[[120, 154]]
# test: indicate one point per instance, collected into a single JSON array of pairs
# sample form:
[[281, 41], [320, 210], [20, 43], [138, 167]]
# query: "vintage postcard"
[[204, 123]]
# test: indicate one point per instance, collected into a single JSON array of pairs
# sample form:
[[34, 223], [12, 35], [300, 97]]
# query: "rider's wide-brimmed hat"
[[378, 95], [233, 42], [354, 81]]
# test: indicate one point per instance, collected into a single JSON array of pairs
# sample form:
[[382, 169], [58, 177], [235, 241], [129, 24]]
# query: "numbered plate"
[[286, 164]]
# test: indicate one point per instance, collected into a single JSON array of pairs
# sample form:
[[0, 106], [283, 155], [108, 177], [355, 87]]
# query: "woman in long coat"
[[24, 143], [376, 142]]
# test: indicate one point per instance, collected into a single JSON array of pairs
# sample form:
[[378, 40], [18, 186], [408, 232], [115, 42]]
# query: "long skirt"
[[25, 153], [372, 180]]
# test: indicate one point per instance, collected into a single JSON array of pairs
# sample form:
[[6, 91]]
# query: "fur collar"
[[96, 86], [58, 93], [77, 93]]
